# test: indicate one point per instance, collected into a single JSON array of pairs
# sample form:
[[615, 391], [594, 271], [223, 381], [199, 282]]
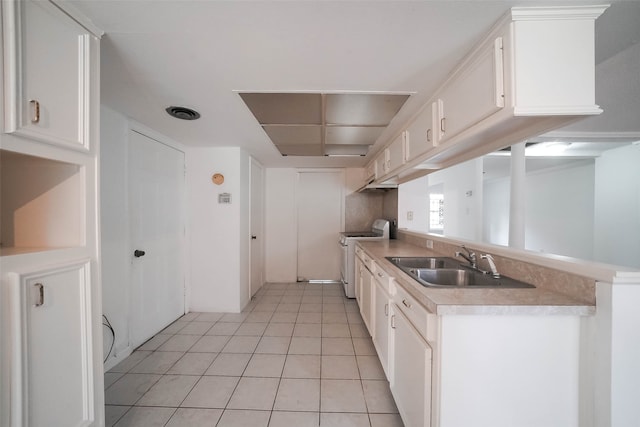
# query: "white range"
[[347, 242]]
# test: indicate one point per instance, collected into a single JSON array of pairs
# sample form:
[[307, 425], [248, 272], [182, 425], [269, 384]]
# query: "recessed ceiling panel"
[[352, 135], [346, 150], [294, 135], [300, 150], [363, 109], [313, 124], [285, 108]]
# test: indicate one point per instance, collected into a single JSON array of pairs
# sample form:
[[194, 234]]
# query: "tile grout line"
[[284, 298]]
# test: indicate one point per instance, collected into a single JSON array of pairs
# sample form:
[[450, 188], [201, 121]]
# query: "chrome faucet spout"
[[492, 265], [469, 256]]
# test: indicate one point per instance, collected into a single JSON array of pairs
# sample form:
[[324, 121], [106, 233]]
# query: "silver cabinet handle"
[[40, 297], [386, 309], [393, 321], [429, 135], [442, 124], [36, 111], [380, 274], [406, 304]]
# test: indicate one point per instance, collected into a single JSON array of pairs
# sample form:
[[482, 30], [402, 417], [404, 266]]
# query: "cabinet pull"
[[499, 67], [386, 309], [393, 321], [443, 121], [36, 111], [40, 297], [380, 274], [406, 304], [429, 135]]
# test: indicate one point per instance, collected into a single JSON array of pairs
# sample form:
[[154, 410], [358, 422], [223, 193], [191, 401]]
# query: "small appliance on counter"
[[347, 242], [393, 229]]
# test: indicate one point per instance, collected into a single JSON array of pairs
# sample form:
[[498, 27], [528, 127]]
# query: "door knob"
[[138, 253]]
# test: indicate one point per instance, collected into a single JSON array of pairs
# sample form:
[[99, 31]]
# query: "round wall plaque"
[[217, 178]]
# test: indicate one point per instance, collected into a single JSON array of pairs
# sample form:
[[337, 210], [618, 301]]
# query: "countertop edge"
[[551, 303]]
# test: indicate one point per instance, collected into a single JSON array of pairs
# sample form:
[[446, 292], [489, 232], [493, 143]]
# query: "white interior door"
[[156, 200], [257, 226], [320, 218]]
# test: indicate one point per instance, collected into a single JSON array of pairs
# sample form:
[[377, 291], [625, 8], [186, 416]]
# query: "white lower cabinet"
[[473, 369], [411, 359], [381, 313], [366, 298], [52, 347]]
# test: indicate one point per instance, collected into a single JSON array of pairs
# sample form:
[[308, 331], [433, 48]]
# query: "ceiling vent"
[[182, 113], [318, 124]]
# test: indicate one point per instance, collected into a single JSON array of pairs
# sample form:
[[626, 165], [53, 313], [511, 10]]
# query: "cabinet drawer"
[[366, 259], [382, 277], [416, 313]]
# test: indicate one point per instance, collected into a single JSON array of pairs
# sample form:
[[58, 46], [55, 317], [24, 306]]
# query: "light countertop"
[[527, 301]]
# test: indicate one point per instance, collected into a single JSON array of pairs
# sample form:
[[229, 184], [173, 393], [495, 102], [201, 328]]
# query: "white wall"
[[114, 223], [617, 93], [280, 225], [281, 245], [617, 207], [559, 210], [462, 185], [495, 205], [115, 226], [218, 233], [462, 212], [413, 197]]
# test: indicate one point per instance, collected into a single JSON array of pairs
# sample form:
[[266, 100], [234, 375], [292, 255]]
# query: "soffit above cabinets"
[[319, 124]]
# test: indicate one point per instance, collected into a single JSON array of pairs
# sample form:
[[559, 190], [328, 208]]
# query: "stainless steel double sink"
[[443, 272]]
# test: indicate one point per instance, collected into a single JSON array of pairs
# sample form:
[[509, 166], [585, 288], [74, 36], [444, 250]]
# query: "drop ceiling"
[[319, 124], [204, 54]]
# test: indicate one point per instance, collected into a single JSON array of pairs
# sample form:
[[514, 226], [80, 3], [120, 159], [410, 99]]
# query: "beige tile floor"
[[298, 356]]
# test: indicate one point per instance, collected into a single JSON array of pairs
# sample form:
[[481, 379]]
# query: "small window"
[[436, 209]]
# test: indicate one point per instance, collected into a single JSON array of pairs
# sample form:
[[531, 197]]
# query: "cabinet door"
[[475, 93], [47, 71], [411, 385], [381, 327], [370, 172], [381, 164], [396, 153], [420, 136], [366, 297], [358, 285], [52, 337]]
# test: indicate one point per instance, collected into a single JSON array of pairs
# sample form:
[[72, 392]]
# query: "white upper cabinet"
[[534, 71], [47, 63], [473, 94], [382, 163], [395, 158], [420, 136], [369, 172]]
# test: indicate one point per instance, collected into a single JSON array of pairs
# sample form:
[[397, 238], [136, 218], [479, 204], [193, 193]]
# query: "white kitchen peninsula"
[[498, 357]]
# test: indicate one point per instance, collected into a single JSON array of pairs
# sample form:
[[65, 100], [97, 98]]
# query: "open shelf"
[[42, 204]]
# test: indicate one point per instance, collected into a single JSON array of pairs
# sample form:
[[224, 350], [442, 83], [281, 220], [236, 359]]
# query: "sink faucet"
[[492, 265], [469, 256]]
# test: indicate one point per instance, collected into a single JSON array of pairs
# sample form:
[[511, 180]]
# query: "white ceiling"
[[200, 54]]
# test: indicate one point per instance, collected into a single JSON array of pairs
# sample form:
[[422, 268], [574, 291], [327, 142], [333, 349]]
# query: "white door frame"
[[260, 232]]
